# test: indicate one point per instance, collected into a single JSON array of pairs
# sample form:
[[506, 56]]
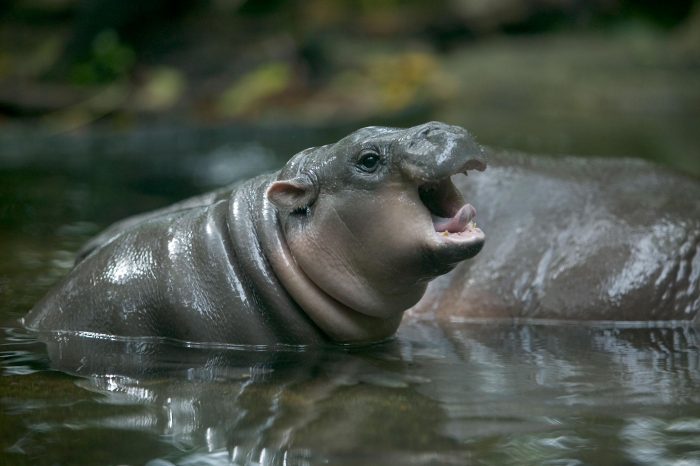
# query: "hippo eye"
[[369, 161]]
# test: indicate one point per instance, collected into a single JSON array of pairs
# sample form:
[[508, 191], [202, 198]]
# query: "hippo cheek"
[[363, 250]]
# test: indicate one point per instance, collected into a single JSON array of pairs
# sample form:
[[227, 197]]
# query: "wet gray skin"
[[574, 239], [335, 246]]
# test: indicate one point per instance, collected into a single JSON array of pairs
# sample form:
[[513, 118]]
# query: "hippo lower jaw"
[[453, 224]]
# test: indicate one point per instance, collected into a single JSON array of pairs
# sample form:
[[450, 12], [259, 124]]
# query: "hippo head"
[[374, 217]]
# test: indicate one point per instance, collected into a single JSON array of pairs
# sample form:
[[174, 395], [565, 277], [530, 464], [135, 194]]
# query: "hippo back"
[[583, 239]]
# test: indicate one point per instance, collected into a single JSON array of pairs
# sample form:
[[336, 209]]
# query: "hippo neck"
[[285, 321], [339, 322]]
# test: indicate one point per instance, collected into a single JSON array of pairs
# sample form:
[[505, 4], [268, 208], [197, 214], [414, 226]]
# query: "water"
[[467, 394], [439, 393]]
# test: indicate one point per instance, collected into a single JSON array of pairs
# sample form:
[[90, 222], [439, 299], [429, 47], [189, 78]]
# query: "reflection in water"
[[651, 441], [437, 394]]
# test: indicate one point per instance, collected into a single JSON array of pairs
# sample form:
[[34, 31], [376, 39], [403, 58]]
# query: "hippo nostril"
[[429, 129]]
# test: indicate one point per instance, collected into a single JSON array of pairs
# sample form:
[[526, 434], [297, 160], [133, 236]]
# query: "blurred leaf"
[[43, 57], [163, 88], [402, 77], [259, 84], [110, 60], [108, 99], [391, 83]]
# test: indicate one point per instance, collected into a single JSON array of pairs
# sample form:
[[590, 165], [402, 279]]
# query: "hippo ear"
[[290, 195]]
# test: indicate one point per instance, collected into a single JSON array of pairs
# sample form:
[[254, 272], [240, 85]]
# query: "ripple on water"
[[437, 394], [21, 353]]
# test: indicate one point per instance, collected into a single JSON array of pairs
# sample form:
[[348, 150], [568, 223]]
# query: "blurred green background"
[[599, 77]]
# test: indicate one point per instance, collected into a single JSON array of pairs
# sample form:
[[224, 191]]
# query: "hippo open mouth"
[[452, 217]]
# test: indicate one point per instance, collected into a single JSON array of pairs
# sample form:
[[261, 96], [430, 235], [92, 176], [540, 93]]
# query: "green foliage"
[[161, 90], [110, 60], [262, 83]]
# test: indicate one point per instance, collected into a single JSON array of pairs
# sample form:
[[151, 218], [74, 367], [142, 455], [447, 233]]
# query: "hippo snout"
[[435, 151]]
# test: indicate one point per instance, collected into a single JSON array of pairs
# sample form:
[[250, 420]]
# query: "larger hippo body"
[[577, 239]]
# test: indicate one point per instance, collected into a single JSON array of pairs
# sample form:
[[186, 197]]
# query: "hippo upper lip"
[[473, 164]]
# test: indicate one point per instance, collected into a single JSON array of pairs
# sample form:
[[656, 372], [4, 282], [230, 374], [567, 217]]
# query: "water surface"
[[438, 393]]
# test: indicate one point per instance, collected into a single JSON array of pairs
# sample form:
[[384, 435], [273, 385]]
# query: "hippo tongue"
[[457, 223]]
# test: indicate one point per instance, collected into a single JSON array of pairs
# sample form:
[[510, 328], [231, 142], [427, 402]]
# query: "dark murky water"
[[457, 393]]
